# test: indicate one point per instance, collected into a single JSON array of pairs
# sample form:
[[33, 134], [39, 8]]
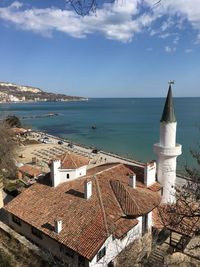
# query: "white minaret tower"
[[167, 151]]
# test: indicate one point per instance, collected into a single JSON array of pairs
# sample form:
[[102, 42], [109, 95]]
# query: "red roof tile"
[[86, 223], [155, 187], [71, 160], [30, 170]]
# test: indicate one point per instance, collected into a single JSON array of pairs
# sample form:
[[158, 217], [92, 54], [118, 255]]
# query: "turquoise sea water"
[[127, 126]]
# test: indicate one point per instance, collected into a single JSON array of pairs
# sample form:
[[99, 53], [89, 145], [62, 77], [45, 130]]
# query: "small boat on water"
[[93, 127]]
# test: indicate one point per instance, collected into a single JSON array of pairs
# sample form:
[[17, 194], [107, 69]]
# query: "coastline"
[[40, 101], [109, 156], [90, 148]]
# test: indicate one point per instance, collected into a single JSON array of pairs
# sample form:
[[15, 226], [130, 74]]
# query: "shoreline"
[[49, 147], [100, 151], [83, 146], [56, 101]]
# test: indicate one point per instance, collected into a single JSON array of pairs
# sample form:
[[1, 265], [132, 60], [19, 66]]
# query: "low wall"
[[135, 253], [20, 251]]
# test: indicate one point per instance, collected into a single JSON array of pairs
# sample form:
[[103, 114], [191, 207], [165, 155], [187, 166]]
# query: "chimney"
[[150, 173], [55, 174], [132, 180], [88, 189], [58, 226]]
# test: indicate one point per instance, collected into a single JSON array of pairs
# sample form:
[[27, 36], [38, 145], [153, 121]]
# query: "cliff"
[[10, 92]]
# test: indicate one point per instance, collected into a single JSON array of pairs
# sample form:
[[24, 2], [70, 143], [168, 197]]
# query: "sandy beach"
[[42, 153]]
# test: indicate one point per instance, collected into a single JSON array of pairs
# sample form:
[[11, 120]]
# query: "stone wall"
[[18, 251], [135, 253]]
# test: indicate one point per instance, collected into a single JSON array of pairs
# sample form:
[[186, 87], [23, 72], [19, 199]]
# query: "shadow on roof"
[[48, 226], [75, 193]]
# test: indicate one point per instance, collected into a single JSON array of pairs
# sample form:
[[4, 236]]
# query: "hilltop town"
[[10, 92]]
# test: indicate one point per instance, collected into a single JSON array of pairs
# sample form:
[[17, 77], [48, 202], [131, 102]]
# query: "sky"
[[129, 48]]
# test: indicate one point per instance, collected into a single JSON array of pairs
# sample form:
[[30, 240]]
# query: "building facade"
[[86, 217]]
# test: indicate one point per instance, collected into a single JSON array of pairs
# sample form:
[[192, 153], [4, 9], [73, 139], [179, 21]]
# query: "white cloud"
[[188, 50], [120, 20], [169, 49], [176, 40], [115, 21]]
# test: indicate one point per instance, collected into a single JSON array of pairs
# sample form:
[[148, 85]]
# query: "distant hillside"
[[10, 92]]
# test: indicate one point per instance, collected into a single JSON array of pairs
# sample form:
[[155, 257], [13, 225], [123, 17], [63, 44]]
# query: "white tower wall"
[[168, 134], [166, 170], [167, 151]]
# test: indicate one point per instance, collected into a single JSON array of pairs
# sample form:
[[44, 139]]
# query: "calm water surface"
[[128, 126]]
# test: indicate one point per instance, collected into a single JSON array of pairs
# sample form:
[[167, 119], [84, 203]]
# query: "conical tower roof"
[[168, 112]]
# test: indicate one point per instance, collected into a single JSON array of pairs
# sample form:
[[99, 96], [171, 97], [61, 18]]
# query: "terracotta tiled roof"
[[122, 226], [71, 160], [30, 170], [19, 130], [86, 223], [134, 202], [155, 187]]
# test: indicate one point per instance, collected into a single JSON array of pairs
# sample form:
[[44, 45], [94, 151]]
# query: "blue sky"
[[127, 49]]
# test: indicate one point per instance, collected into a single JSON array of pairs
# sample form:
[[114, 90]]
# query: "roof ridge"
[[127, 194], [133, 200], [72, 159], [65, 155], [108, 169], [101, 204]]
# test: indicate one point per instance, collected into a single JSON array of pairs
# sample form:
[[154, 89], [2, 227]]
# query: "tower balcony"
[[168, 151]]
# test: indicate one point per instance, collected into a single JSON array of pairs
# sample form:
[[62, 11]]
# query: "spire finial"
[[171, 82], [168, 112]]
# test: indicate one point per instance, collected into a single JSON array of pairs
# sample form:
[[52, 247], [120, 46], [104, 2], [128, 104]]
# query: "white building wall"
[[63, 175], [73, 174], [150, 173], [150, 221], [81, 171], [51, 245], [1, 198], [59, 175], [114, 247], [1, 194]]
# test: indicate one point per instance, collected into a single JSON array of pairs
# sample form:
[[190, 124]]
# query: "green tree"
[[8, 148], [13, 121]]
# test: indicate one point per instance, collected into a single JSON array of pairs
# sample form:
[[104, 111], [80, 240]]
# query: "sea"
[[126, 126]]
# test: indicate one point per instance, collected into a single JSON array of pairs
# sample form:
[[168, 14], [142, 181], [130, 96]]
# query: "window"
[[67, 176], [101, 253], [36, 232], [16, 220], [113, 238]]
